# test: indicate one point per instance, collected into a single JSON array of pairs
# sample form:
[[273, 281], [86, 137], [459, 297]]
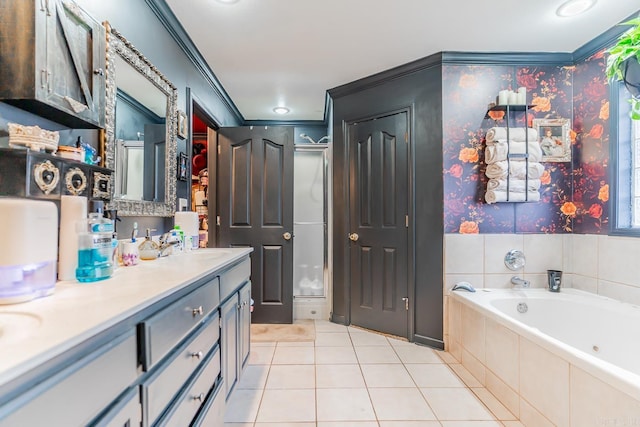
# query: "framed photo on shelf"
[[554, 139], [182, 125], [183, 169]]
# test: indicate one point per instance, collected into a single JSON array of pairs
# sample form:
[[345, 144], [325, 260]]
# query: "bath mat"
[[298, 331]]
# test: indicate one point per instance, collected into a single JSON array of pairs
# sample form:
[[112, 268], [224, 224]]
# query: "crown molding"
[[181, 37]]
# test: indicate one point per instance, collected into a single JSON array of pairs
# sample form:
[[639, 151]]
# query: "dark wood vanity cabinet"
[[53, 61]]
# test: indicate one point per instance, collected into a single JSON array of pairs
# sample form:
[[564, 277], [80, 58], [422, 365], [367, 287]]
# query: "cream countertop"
[[34, 332]]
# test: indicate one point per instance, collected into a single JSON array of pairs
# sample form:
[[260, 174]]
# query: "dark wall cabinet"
[[53, 60]]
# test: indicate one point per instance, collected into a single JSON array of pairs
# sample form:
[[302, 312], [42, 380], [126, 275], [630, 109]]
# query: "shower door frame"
[[324, 148]]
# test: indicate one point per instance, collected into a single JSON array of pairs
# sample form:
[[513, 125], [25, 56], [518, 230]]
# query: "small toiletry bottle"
[[180, 235], [149, 250], [95, 247]]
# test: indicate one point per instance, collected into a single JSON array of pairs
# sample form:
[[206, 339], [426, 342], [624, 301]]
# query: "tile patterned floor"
[[350, 377]]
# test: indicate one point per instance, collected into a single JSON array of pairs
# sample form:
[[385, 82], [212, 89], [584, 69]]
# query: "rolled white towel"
[[515, 185], [497, 152], [493, 196], [515, 134], [516, 170]]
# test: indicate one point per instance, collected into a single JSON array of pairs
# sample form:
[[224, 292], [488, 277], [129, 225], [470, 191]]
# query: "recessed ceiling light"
[[227, 1], [281, 110], [574, 7]]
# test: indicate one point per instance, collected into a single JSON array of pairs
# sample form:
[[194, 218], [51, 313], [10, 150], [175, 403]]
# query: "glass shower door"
[[309, 221]]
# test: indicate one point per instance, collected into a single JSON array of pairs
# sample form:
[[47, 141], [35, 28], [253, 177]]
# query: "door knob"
[[353, 237], [287, 236]]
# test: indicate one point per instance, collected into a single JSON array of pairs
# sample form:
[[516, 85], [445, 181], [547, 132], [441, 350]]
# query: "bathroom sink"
[[16, 325]]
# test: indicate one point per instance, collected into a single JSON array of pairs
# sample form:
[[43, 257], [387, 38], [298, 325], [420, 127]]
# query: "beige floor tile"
[[456, 404], [466, 376], [261, 355], [400, 404], [242, 406], [398, 342], [417, 354], [368, 338], [335, 355], [295, 344], [433, 375], [332, 339], [326, 326], [281, 424], [471, 424], [291, 376], [494, 405], [512, 424], [254, 377], [386, 375], [294, 356], [300, 406], [376, 354], [238, 424], [339, 376], [344, 404], [347, 424], [410, 424]]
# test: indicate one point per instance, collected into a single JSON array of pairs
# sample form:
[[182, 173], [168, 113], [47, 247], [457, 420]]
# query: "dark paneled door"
[[255, 205], [378, 183]]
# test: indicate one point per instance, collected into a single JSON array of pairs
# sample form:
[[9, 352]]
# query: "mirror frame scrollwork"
[[117, 44]]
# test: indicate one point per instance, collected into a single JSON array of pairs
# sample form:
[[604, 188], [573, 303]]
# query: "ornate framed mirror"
[[140, 131]]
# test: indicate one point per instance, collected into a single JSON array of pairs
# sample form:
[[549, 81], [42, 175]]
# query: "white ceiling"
[[289, 52]]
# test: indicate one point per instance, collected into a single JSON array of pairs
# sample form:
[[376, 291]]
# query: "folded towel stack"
[[506, 170], [515, 134], [493, 196], [498, 151]]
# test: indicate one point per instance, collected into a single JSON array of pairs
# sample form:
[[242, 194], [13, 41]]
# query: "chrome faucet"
[[516, 281], [167, 241]]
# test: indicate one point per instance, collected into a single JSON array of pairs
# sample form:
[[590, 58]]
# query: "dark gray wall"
[[420, 90]]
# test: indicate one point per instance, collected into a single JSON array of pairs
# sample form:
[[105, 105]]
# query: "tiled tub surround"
[[605, 265], [541, 378]]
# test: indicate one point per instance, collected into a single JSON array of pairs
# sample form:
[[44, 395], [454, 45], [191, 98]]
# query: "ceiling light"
[[227, 1], [281, 110], [574, 7]]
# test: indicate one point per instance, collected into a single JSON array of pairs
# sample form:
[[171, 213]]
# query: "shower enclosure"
[[310, 223]]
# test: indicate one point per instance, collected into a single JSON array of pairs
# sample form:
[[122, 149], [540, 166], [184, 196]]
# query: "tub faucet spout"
[[516, 281]]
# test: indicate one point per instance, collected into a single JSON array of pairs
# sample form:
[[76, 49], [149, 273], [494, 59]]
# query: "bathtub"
[[567, 359]]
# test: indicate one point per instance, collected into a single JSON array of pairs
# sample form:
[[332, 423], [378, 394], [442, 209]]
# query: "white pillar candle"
[[513, 98], [503, 97], [522, 95]]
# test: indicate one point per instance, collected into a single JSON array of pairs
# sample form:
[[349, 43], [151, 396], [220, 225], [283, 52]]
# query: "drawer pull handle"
[[199, 397], [197, 355], [197, 311]]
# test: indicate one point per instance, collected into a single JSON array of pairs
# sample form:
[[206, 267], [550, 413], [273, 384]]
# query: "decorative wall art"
[[182, 125], [554, 139]]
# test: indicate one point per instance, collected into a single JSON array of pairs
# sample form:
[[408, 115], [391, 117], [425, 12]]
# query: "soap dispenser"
[[149, 249]]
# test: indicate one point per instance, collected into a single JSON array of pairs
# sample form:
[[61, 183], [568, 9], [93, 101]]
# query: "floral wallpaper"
[[590, 204], [573, 194], [467, 93]]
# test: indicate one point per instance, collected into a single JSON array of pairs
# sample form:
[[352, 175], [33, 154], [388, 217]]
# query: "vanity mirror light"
[[140, 131]]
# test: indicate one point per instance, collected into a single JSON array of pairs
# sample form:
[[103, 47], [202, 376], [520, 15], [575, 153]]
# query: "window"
[[635, 143], [625, 165]]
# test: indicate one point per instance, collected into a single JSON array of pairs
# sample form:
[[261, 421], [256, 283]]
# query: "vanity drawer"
[[190, 400], [231, 279], [160, 389], [127, 412], [76, 395], [212, 413], [162, 331]]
